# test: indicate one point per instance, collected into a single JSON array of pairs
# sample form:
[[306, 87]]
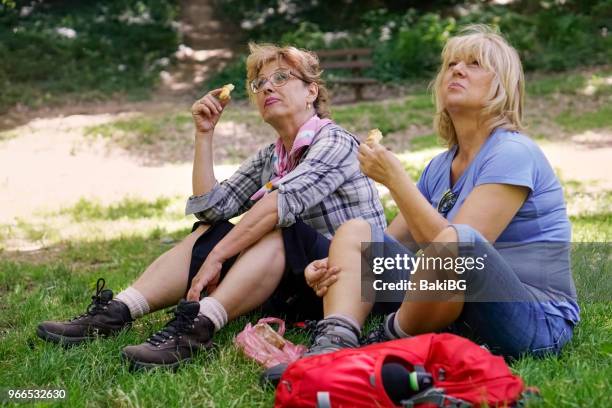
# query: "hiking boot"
[[182, 337], [378, 335], [332, 335], [384, 332], [329, 335], [104, 317]]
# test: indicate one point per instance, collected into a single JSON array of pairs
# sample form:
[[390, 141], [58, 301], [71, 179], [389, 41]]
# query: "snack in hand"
[[225, 92], [374, 137]]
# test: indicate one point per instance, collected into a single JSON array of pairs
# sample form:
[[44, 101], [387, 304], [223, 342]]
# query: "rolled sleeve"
[[330, 161], [231, 197]]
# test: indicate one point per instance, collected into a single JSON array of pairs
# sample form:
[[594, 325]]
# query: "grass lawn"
[[59, 281]]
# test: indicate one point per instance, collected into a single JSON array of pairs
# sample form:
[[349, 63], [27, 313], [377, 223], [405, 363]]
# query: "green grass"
[[555, 83], [94, 375], [581, 121], [143, 129], [425, 142], [58, 281], [388, 116], [130, 208], [568, 83]]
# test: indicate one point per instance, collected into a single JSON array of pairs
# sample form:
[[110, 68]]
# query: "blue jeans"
[[509, 328]]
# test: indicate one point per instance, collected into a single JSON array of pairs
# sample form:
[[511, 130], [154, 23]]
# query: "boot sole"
[[139, 365], [70, 341], [136, 365], [61, 340]]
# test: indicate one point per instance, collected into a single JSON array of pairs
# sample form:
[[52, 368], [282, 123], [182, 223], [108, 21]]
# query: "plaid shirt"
[[325, 190]]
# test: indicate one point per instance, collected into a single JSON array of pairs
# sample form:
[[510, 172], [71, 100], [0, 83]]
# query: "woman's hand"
[[378, 163], [207, 277], [207, 111], [319, 277]]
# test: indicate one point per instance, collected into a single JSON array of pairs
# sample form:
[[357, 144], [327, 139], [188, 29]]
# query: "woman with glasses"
[[292, 194], [490, 207]]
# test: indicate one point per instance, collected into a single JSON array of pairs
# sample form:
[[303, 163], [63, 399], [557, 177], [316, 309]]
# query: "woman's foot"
[[330, 335], [182, 337], [387, 330], [104, 317]]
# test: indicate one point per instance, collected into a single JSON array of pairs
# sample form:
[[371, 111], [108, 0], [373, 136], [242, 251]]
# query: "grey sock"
[[392, 327], [346, 319]]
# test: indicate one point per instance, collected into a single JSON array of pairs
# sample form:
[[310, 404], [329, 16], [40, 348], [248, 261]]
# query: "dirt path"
[[49, 164]]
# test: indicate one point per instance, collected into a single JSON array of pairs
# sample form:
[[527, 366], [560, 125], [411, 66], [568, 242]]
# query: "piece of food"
[[268, 333], [374, 136], [225, 91]]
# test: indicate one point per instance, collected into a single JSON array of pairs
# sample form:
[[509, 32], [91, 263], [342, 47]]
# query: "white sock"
[[347, 319], [211, 308], [135, 301]]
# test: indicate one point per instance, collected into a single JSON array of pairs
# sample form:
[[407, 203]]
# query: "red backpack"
[[463, 374]]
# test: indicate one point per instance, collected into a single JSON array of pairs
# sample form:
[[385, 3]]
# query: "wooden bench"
[[353, 59]]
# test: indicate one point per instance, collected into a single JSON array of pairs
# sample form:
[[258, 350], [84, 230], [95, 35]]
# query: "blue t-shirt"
[[509, 157]]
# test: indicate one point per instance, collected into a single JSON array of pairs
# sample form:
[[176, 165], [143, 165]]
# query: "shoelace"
[[320, 334], [96, 305], [378, 335], [175, 327]]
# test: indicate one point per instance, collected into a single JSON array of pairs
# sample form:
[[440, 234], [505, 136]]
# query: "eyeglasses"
[[277, 78], [447, 202]]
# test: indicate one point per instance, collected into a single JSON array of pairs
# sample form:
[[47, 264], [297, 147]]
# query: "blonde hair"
[[504, 107], [306, 63]]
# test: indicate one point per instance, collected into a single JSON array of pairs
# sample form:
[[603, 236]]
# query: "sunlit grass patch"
[[425, 142], [388, 116], [89, 220], [587, 83], [130, 208], [585, 120]]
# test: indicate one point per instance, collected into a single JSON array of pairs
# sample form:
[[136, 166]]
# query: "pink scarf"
[[284, 162]]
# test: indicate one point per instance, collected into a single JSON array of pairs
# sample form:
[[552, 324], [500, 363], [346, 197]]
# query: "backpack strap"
[[435, 396], [323, 400]]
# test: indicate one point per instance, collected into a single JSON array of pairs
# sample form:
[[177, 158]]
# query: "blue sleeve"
[[510, 162], [423, 180]]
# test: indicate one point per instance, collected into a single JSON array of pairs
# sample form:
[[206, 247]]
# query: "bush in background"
[[86, 49], [550, 36]]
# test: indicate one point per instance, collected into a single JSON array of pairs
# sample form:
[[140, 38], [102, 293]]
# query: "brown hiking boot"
[[181, 338], [104, 317]]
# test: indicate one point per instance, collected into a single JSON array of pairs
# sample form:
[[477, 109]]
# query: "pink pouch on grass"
[[266, 346]]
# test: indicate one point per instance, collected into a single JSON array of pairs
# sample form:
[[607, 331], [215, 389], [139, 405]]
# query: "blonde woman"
[[493, 185], [294, 194]]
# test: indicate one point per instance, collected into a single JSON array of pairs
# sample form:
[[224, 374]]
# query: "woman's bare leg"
[[164, 282], [422, 316], [253, 277], [344, 296]]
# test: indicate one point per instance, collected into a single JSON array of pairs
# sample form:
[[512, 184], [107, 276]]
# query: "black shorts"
[[293, 299]]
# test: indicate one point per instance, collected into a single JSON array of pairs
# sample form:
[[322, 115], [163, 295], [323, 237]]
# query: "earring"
[[308, 105]]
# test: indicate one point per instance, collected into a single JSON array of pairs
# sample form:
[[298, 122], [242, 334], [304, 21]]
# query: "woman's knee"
[[461, 233], [357, 230], [448, 234], [273, 241]]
